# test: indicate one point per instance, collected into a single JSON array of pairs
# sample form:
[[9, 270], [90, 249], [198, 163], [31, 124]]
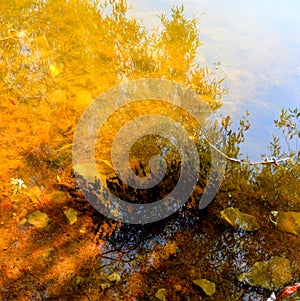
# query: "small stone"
[[272, 274], [236, 219], [71, 215], [280, 271], [38, 219], [114, 277], [105, 286], [258, 276], [88, 171], [288, 222], [56, 196], [207, 286], [34, 194], [161, 294], [170, 248], [46, 254]]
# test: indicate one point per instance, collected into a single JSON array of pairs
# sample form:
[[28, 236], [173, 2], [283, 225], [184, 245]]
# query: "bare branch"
[[266, 161]]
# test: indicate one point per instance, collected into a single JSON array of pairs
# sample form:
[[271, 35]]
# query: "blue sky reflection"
[[258, 46]]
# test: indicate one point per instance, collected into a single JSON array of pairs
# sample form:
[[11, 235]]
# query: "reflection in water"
[[55, 57], [257, 45]]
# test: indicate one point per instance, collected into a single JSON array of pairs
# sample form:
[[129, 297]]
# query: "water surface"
[[258, 46]]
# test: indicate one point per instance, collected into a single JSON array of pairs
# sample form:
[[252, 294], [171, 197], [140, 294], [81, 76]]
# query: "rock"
[[272, 274], [161, 294], [236, 219], [47, 253], [258, 276], [288, 221], [114, 277], [280, 271], [34, 194], [57, 197], [105, 286], [38, 219], [207, 286], [71, 215], [87, 171], [170, 249], [90, 172]]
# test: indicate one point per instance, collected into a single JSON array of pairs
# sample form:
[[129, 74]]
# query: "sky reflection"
[[258, 46]]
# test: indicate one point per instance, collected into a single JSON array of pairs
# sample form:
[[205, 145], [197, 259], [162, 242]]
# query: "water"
[[56, 57], [257, 46]]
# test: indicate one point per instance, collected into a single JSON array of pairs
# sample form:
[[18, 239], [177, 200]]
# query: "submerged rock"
[[38, 219], [272, 274], [47, 253], [71, 215], [34, 194], [114, 277], [288, 221], [207, 286], [57, 197], [87, 171], [161, 294], [236, 219]]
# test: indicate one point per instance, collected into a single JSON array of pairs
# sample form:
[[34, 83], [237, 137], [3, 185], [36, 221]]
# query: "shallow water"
[[55, 58]]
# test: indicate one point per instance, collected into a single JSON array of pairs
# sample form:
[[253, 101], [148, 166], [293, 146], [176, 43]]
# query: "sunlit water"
[[55, 59]]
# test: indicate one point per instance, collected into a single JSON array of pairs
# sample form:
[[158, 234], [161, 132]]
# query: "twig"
[[266, 161]]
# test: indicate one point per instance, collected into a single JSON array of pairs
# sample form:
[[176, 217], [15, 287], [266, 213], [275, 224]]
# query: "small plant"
[[16, 185], [289, 124]]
